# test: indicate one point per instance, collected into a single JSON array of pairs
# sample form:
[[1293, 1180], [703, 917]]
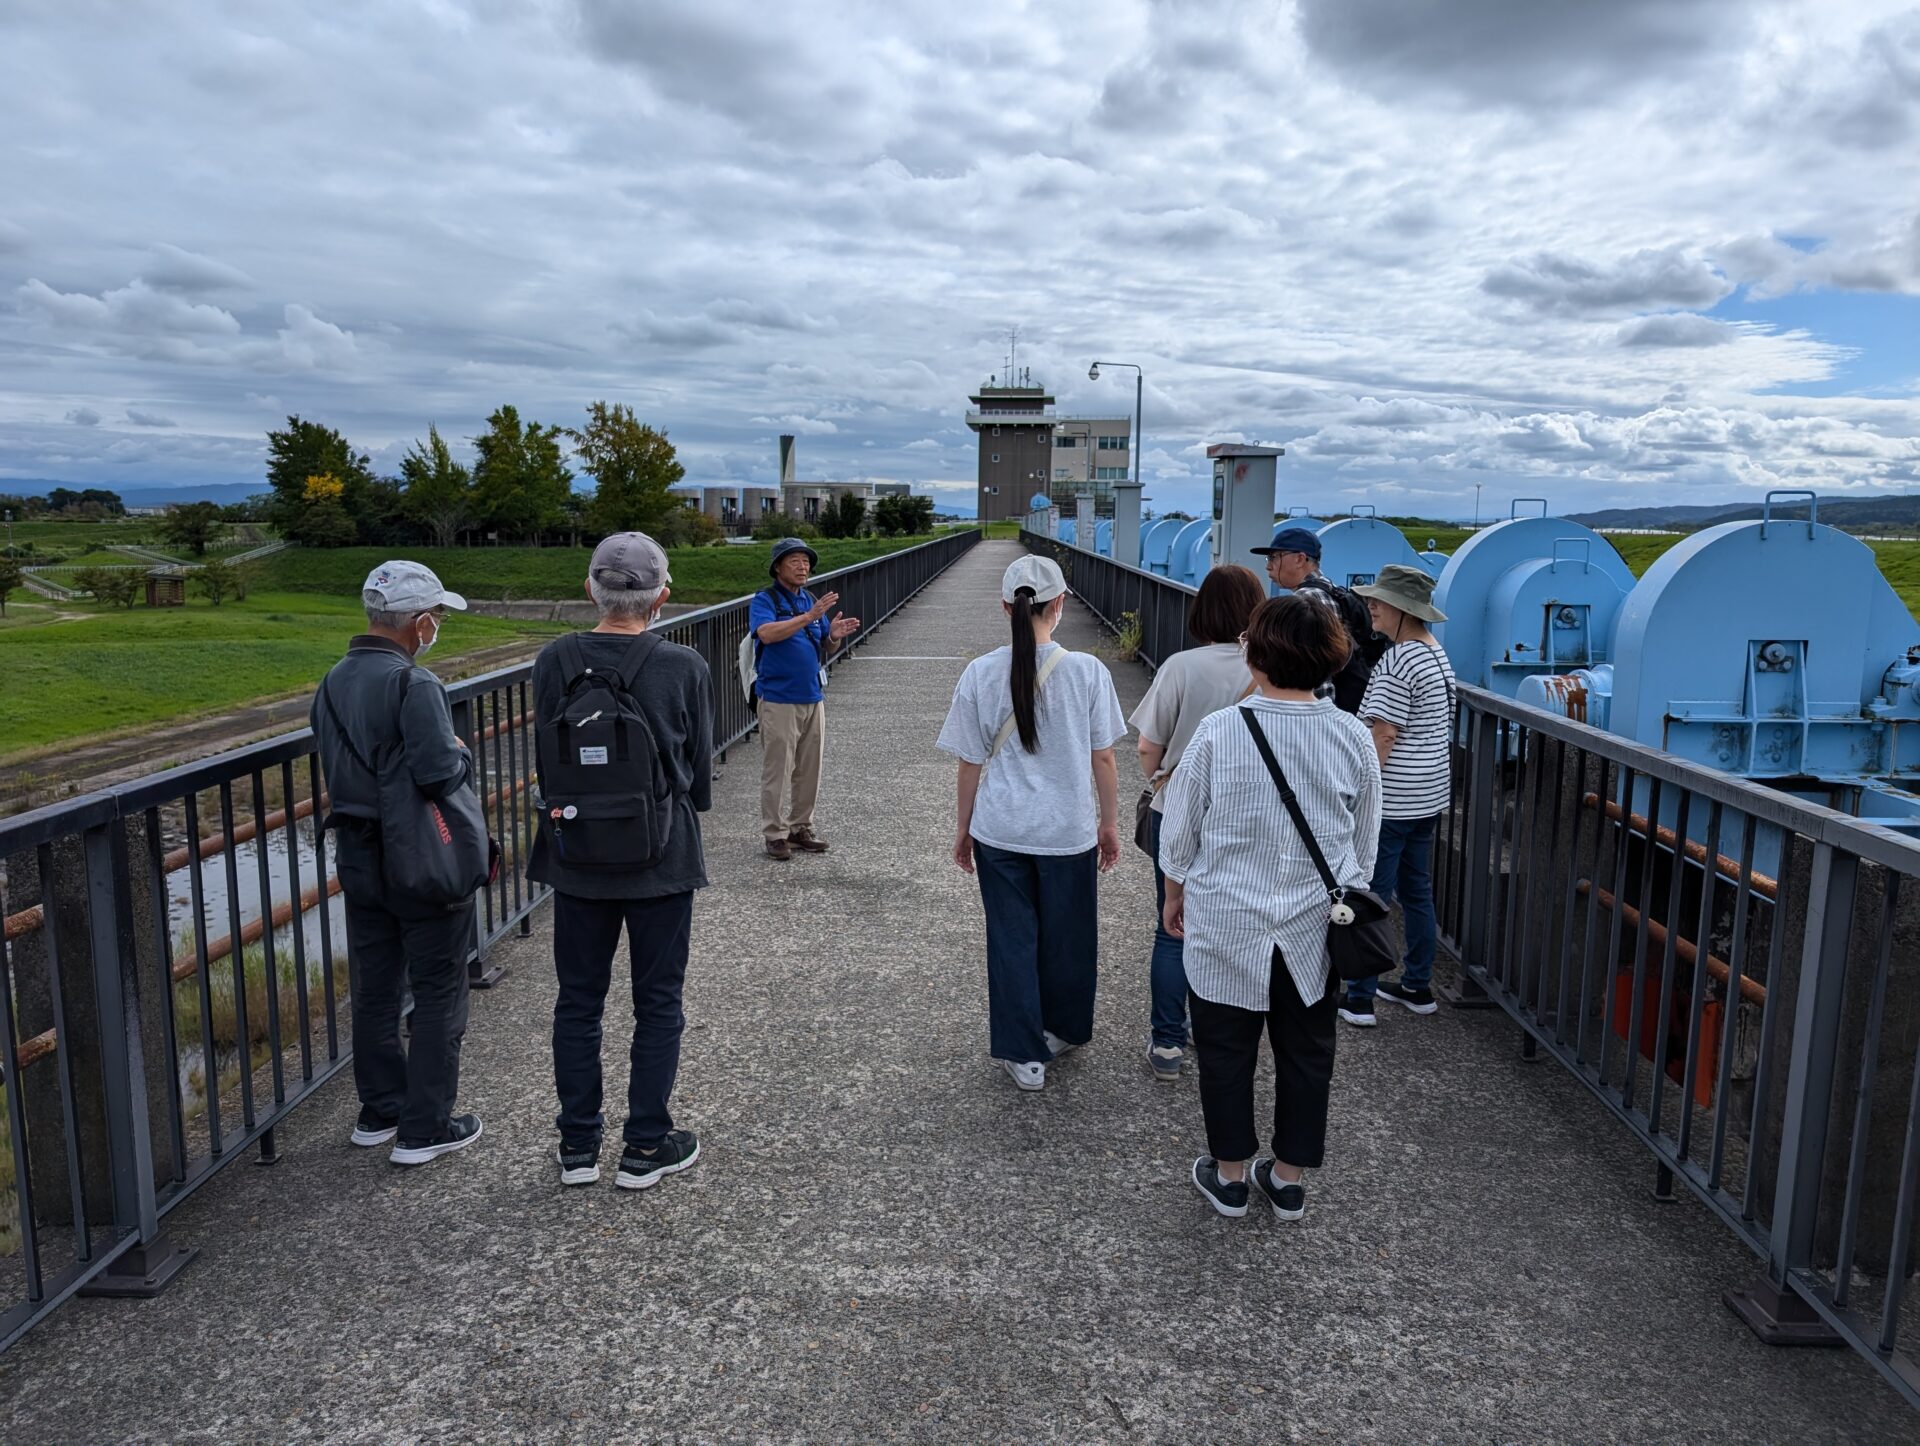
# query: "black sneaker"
[[1358, 1012], [579, 1163], [1420, 1001], [461, 1131], [1289, 1202], [373, 1129], [1229, 1197], [639, 1170]]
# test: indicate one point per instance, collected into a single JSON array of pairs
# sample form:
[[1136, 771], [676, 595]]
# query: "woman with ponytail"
[[1033, 726]]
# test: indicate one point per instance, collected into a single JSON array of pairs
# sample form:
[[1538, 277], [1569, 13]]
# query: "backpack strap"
[[573, 659], [1006, 728], [340, 727], [634, 661]]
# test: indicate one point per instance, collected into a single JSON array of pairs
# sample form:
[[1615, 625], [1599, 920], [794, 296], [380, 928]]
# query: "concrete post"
[[1083, 522], [1126, 523]]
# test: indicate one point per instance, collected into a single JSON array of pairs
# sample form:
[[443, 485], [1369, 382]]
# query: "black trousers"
[[387, 951], [585, 934], [1228, 1040]]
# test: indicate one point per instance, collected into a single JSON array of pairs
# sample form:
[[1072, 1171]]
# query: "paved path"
[[883, 1239]]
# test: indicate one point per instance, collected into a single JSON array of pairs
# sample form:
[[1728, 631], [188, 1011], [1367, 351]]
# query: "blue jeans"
[[1403, 869], [1043, 948], [1168, 969]]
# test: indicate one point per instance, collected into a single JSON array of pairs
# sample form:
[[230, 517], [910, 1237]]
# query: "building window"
[[996, 457], [993, 491], [1067, 439], [1113, 444], [996, 431], [1110, 474]]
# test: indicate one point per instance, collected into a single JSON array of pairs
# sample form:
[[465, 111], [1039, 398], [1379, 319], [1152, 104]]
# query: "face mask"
[[426, 644]]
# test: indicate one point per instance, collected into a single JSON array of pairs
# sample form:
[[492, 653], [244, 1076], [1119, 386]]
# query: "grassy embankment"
[[700, 574], [109, 670]]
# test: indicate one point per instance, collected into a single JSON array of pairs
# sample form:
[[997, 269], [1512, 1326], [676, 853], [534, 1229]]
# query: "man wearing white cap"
[[373, 700]]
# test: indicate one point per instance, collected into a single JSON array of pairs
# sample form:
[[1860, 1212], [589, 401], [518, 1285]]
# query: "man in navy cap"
[[795, 638], [1293, 563], [376, 699]]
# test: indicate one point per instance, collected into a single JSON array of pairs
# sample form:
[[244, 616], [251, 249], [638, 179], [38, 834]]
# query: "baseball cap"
[[407, 587], [629, 562], [1290, 539], [1042, 574]]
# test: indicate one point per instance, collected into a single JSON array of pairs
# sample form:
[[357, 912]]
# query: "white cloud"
[[84, 417], [1419, 246], [141, 418]]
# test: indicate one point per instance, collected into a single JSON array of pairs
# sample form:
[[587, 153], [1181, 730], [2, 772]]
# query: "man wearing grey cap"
[[377, 698], [624, 721]]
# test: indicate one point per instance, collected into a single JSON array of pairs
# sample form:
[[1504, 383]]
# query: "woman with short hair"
[[1033, 726], [1244, 894], [1188, 686]]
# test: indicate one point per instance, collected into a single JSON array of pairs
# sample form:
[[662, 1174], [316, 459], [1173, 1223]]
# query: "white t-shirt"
[[1412, 688], [1189, 686], [1040, 802]]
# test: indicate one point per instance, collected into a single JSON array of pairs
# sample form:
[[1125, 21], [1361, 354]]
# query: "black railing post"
[[149, 1265], [1771, 1307], [1479, 862], [482, 974]]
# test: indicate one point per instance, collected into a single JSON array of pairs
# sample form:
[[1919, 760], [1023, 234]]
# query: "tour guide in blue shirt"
[[795, 637]]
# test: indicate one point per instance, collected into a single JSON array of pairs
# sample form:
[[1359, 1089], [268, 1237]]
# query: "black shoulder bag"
[[435, 852], [1360, 938]]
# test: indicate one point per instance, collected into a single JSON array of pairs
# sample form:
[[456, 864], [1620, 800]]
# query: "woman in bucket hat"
[[1409, 708], [1033, 726]]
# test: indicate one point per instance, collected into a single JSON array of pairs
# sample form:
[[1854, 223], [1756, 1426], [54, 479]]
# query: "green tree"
[[115, 586], [903, 516], [845, 516], [632, 465], [688, 527], [192, 525], [217, 580], [304, 451], [521, 485], [439, 490], [12, 575]]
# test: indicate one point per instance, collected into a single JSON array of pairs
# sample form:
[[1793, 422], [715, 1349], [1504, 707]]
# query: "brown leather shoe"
[[777, 849], [803, 839]]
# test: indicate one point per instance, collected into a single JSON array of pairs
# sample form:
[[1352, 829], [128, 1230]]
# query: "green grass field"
[[120, 669], [700, 574]]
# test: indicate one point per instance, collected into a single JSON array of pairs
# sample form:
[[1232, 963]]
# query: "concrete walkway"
[[884, 1240]]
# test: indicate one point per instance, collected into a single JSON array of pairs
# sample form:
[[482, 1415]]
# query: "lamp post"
[[1139, 385]]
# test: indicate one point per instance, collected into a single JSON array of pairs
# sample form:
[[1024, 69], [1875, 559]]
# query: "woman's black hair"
[[1026, 667]]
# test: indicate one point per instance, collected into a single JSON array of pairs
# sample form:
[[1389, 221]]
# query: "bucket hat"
[[1408, 588], [786, 547]]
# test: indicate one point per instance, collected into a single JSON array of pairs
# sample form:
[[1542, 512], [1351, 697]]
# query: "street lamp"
[[1139, 385]]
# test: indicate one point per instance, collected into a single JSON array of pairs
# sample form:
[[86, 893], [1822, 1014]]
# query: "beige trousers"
[[793, 740]]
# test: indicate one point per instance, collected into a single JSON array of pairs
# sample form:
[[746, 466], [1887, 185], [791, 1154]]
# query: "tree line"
[[324, 493]]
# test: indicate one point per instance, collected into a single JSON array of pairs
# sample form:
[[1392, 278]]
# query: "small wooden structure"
[[166, 588]]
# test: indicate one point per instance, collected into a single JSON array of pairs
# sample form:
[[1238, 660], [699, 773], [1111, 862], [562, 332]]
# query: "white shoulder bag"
[[1006, 728]]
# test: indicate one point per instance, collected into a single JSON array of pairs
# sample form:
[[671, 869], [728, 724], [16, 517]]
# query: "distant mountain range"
[[143, 494], [1855, 514]]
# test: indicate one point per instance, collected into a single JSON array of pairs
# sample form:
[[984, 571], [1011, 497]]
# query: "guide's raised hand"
[[823, 605], [844, 628]]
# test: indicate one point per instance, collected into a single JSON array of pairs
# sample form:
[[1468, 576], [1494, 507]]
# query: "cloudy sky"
[[1601, 250]]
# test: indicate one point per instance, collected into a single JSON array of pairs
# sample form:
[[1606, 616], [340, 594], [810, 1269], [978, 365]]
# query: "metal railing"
[[173, 963], [1733, 972]]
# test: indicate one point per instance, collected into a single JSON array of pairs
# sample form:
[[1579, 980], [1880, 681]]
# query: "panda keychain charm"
[[1342, 912]]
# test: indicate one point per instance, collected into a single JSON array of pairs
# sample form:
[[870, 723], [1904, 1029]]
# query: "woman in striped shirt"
[[1409, 709], [1243, 893]]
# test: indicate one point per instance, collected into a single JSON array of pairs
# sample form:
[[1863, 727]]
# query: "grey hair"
[[380, 617], [623, 604]]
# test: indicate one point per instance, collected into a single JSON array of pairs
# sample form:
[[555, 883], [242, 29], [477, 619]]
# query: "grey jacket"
[[382, 696]]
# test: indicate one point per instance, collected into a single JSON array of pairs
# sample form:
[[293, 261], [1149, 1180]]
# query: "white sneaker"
[[1055, 1043], [1032, 1076]]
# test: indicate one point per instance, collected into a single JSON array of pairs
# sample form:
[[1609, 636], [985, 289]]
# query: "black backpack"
[[606, 794], [1350, 682]]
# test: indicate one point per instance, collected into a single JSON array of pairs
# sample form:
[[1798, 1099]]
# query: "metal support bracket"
[[1779, 1317], [141, 1272]]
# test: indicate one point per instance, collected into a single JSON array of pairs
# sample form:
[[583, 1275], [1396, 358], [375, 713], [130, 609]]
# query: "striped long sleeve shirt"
[[1250, 883]]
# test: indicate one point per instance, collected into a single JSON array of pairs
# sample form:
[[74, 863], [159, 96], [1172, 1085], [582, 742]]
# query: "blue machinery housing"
[[1730, 965]]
